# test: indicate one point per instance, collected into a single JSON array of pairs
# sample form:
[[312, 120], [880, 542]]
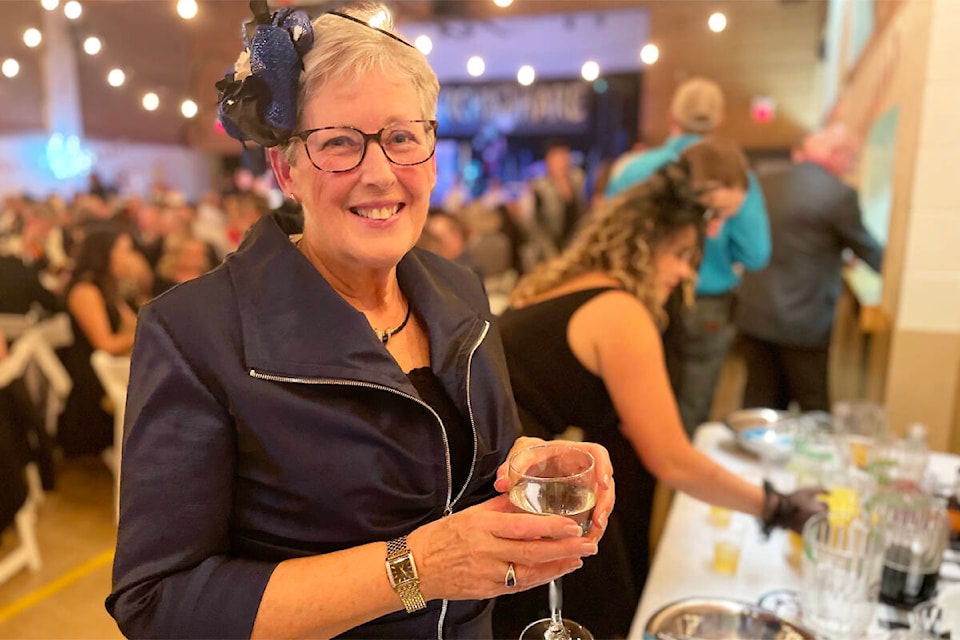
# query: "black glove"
[[790, 511]]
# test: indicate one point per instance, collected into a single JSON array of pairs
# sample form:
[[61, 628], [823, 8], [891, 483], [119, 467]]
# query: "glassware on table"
[[728, 539], [916, 529], [859, 424], [842, 561], [558, 479]]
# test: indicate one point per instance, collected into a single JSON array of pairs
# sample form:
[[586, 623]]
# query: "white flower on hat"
[[241, 68]]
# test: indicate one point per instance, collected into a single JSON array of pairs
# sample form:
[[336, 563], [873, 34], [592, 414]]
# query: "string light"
[[150, 101], [189, 108], [32, 37], [476, 66], [116, 77], [526, 75], [424, 44], [590, 71], [10, 67], [50, 5], [92, 45], [187, 9], [72, 9], [650, 53], [717, 22], [503, 3]]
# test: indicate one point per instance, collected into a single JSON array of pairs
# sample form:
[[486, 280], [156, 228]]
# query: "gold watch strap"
[[408, 591]]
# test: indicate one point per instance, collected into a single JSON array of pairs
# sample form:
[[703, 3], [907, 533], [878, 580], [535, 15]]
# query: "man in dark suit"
[[785, 312]]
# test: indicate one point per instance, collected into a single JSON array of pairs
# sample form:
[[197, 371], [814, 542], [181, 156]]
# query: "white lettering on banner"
[[548, 103]]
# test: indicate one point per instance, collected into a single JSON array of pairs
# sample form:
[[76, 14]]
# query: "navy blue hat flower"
[[258, 99]]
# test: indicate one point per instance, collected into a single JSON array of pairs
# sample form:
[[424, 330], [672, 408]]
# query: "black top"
[[459, 438], [554, 390]]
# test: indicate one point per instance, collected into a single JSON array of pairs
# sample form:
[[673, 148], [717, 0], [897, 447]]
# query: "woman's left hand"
[[606, 493]]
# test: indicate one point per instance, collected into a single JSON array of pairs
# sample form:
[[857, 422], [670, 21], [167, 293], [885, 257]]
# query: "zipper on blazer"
[[451, 501]]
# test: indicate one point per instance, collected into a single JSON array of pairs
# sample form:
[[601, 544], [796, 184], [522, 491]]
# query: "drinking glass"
[[555, 479], [841, 575], [916, 529]]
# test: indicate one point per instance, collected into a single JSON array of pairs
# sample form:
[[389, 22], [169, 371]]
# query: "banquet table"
[[682, 568]]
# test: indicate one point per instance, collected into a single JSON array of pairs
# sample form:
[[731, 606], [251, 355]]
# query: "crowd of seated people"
[[98, 257]]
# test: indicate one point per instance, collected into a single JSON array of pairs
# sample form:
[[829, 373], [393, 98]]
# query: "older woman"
[[594, 313], [317, 429]]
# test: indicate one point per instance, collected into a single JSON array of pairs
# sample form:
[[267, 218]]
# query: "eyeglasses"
[[339, 149]]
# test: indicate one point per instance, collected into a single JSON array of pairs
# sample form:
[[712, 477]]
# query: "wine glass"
[[557, 479]]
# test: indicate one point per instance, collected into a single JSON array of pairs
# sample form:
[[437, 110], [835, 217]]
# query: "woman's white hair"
[[345, 50]]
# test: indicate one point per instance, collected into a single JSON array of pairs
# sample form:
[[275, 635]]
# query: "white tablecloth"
[[682, 565]]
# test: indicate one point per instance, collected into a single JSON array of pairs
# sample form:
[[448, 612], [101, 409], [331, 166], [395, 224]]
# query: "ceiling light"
[[476, 66], [526, 75], [10, 67], [32, 37], [49, 5], [187, 9], [380, 19], [650, 53], [92, 45], [424, 44], [116, 77], [717, 22], [189, 108], [150, 101], [72, 9], [590, 71], [503, 3]]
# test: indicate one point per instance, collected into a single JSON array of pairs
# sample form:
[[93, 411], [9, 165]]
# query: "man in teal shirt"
[[698, 338]]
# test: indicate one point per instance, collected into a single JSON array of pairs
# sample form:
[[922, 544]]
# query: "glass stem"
[[557, 629]]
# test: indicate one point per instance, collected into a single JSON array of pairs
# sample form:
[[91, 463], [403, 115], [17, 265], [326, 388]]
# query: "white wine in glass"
[[555, 479]]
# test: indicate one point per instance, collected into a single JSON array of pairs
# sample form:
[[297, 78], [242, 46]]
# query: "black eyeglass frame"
[[367, 137]]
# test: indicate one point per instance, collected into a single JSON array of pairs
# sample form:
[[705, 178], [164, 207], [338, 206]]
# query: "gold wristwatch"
[[402, 572]]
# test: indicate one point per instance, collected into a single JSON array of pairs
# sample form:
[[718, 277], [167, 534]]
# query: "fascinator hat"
[[258, 99]]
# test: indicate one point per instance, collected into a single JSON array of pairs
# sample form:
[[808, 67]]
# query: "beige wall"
[[911, 63], [768, 49]]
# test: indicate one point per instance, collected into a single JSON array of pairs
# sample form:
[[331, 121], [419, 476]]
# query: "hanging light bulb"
[[32, 37], [650, 53], [717, 22], [476, 66], [424, 44], [526, 75], [49, 5], [116, 77], [187, 9], [10, 67], [150, 101], [189, 108], [72, 9], [503, 3], [92, 45], [590, 71]]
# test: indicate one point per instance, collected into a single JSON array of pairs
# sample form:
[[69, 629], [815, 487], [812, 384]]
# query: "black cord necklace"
[[386, 334]]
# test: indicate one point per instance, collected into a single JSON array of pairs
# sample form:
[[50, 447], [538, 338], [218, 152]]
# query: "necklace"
[[386, 334]]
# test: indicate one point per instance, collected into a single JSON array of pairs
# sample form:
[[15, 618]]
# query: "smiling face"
[[365, 219], [673, 261]]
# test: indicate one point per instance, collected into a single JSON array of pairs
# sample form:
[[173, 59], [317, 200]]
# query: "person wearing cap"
[[699, 336]]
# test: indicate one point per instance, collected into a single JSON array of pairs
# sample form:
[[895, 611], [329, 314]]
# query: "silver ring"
[[510, 579]]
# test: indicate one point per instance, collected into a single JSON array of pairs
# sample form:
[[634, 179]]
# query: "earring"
[[294, 197]]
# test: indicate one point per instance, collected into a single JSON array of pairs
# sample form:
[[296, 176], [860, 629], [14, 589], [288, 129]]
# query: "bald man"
[[785, 312]]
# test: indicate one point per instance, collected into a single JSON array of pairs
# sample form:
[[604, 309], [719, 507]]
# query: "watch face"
[[402, 570]]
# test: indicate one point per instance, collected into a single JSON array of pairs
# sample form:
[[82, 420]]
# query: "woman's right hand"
[[466, 555]]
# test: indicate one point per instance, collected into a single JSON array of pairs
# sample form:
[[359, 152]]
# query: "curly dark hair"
[[624, 232]]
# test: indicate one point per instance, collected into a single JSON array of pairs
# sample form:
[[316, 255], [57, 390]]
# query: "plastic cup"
[[727, 544]]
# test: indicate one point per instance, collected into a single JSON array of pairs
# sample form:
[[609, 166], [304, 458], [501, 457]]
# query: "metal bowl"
[[721, 619], [763, 432]]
